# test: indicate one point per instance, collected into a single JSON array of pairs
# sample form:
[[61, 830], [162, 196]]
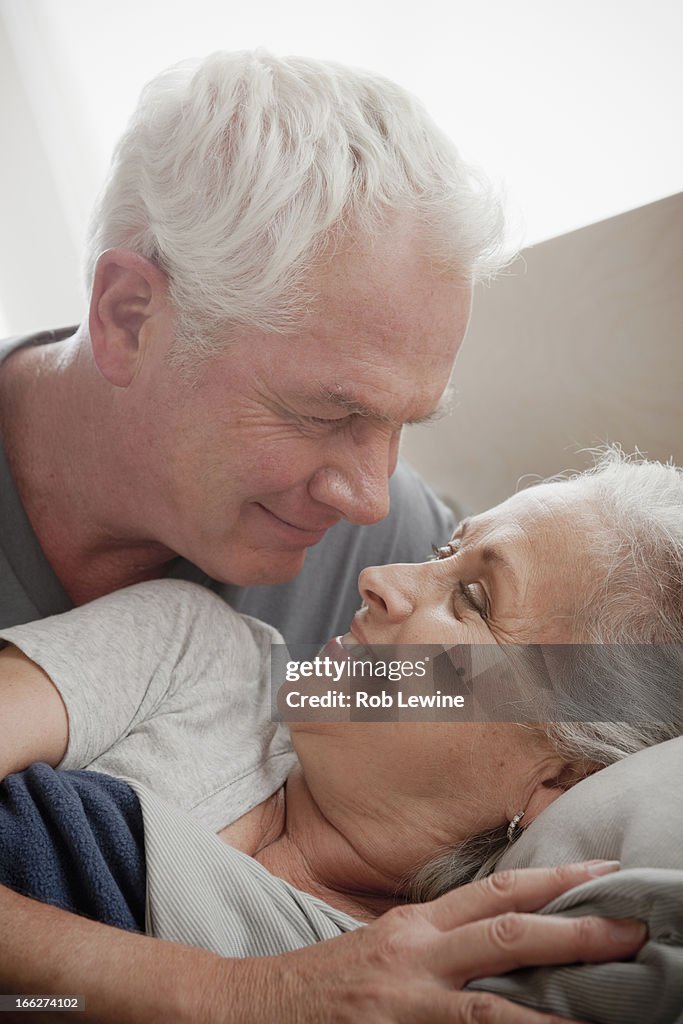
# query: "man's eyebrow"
[[338, 396]]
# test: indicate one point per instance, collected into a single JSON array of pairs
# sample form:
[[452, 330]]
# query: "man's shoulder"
[[29, 588], [47, 337], [417, 512]]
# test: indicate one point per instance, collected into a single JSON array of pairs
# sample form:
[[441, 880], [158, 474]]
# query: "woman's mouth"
[[356, 647]]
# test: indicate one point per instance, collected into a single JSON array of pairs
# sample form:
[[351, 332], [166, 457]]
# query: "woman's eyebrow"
[[490, 555]]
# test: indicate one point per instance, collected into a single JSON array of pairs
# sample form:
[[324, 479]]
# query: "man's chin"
[[270, 569]]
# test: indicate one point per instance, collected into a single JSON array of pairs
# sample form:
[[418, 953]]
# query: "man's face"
[[285, 436]]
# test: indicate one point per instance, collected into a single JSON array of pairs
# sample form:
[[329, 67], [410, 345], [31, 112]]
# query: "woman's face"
[[519, 573]]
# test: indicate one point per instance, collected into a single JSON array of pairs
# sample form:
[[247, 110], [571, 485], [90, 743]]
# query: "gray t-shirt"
[[318, 604], [167, 685], [201, 892]]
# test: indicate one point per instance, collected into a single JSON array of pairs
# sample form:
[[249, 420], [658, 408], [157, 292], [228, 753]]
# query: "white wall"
[[574, 106], [579, 343], [39, 276]]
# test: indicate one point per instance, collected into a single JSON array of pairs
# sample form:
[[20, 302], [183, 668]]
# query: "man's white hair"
[[630, 653], [236, 173]]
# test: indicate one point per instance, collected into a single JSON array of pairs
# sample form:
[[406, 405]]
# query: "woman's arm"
[[34, 725]]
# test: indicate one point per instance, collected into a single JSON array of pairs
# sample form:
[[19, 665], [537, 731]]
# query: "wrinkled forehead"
[[548, 539], [551, 536], [562, 508]]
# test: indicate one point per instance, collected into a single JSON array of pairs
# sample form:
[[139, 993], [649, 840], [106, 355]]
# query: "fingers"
[[476, 1008], [523, 890], [512, 940], [482, 1008]]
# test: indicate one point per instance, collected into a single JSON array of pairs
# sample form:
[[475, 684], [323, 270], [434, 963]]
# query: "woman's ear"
[[548, 790], [128, 290]]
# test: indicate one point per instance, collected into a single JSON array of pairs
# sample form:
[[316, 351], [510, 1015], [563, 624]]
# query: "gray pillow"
[[632, 812]]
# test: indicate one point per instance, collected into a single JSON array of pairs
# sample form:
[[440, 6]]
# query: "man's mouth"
[[305, 534]]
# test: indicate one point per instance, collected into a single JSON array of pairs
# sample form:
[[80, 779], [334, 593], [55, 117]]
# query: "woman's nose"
[[389, 590]]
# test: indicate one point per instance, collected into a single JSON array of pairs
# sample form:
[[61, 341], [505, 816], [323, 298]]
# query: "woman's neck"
[[290, 837]]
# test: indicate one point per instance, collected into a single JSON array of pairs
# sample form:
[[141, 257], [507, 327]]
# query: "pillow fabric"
[[632, 812]]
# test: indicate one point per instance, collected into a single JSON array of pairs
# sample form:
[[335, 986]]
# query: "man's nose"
[[356, 482], [388, 591]]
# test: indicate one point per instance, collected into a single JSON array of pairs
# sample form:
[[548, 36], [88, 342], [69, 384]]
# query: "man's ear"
[[128, 290]]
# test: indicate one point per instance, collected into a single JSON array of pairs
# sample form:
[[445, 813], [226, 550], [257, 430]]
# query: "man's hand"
[[406, 968], [410, 965]]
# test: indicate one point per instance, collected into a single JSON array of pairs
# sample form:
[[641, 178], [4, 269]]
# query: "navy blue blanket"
[[74, 839]]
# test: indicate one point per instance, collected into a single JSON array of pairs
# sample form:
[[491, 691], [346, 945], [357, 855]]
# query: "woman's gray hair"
[[630, 654], [236, 173]]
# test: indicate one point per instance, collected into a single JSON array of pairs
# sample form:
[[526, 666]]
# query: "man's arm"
[[405, 968]]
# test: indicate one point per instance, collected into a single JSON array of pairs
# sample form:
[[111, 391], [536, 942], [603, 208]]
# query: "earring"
[[513, 827]]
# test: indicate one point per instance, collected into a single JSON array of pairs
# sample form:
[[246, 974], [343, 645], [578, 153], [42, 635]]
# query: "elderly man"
[[280, 271]]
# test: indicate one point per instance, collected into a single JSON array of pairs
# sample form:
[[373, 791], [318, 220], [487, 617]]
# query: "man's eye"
[[325, 421]]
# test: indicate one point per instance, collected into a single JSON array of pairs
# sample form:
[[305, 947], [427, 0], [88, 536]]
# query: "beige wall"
[[578, 343]]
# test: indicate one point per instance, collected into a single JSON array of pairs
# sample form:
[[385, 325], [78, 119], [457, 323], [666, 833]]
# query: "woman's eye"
[[475, 596]]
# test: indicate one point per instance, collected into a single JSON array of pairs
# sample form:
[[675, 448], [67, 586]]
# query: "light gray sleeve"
[[648, 988], [167, 685], [118, 660]]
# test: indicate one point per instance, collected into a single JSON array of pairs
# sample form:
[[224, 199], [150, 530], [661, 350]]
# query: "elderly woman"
[[166, 687]]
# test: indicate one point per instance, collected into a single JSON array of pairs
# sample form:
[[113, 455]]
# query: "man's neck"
[[57, 429]]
